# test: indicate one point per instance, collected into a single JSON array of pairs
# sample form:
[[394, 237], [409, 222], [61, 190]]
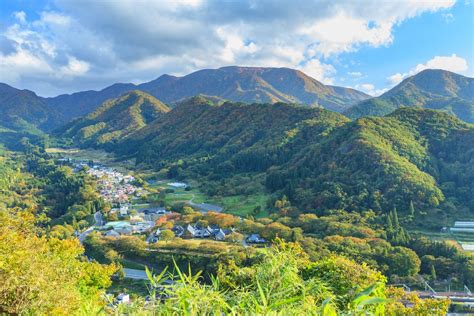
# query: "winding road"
[[99, 222]]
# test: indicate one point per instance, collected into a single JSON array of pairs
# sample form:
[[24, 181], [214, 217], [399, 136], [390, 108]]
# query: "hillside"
[[23, 114], [423, 156], [254, 85], [82, 103], [318, 158], [433, 89], [230, 134], [238, 84], [22, 110], [114, 120]]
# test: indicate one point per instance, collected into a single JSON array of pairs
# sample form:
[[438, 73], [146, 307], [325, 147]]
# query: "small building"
[[123, 298], [198, 232], [178, 185], [255, 239], [123, 209], [178, 230], [112, 233], [220, 236]]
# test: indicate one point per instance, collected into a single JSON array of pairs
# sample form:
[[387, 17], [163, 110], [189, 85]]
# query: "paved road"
[[99, 221], [205, 207], [135, 274]]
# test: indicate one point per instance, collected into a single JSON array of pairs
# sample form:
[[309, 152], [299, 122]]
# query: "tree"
[[403, 261], [234, 237], [433, 272], [166, 235], [412, 209], [46, 276]]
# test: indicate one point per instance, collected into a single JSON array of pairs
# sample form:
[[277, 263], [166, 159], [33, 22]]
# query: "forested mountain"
[[423, 156], [318, 158], [23, 114], [21, 110], [254, 85], [114, 120], [229, 133], [82, 103], [431, 88], [240, 84]]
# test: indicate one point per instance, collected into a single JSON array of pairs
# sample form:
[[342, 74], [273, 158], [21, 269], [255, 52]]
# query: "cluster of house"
[[114, 186], [142, 221], [211, 232], [119, 228]]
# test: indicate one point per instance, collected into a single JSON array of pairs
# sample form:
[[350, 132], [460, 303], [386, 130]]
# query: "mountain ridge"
[[114, 120], [431, 88]]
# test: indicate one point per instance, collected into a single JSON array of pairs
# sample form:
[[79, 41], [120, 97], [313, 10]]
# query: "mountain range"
[[318, 158], [239, 84], [431, 88]]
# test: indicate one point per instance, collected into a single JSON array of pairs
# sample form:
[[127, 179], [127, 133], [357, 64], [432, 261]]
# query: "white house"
[[123, 298]]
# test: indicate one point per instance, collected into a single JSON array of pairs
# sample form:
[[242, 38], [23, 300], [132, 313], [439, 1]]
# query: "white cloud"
[[75, 67], [396, 78], [343, 33], [452, 63], [55, 18], [319, 71], [95, 43], [370, 89], [20, 16]]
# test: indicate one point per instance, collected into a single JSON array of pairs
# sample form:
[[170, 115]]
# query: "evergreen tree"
[[433, 272], [389, 223], [396, 223], [412, 209]]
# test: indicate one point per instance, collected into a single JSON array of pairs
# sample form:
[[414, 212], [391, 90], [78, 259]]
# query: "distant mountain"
[[22, 110], [81, 103], [239, 84], [254, 85], [114, 120], [431, 88]]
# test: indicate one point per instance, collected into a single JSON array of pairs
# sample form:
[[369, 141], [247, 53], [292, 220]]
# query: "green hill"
[[433, 89], [114, 120], [228, 134], [23, 110], [423, 156], [319, 159]]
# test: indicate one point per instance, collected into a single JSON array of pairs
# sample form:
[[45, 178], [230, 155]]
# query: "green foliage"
[[275, 284], [114, 120], [41, 274], [431, 89]]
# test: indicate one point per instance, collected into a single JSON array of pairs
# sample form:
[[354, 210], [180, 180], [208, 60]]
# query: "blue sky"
[[63, 46]]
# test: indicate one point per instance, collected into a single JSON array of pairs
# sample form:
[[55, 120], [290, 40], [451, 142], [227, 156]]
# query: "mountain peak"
[[115, 119], [431, 88]]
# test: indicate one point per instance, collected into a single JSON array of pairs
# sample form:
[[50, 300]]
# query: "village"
[[132, 214]]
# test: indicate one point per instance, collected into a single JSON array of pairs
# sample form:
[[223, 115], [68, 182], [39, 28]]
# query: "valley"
[[227, 188]]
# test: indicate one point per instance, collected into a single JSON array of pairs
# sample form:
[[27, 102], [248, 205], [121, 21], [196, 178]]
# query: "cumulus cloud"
[[370, 89], [319, 71], [452, 63], [20, 16], [95, 43]]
